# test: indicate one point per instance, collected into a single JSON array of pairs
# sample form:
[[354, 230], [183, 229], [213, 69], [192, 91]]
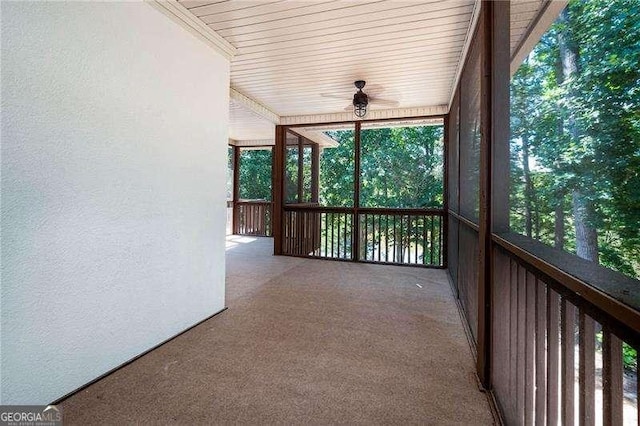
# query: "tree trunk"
[[586, 234], [528, 188], [558, 226], [583, 210], [559, 193]]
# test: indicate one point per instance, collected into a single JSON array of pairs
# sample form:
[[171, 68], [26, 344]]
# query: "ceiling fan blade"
[[383, 101], [328, 95], [373, 89], [349, 108]]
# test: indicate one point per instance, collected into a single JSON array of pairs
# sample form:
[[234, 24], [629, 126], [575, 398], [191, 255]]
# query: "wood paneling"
[[244, 124], [523, 14], [289, 52]]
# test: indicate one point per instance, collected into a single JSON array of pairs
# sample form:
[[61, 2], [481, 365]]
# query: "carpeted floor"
[[304, 341]]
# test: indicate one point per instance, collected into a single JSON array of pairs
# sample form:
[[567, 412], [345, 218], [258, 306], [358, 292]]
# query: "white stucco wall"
[[114, 139]]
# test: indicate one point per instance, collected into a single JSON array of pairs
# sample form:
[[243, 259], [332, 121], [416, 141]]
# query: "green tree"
[[255, 174], [575, 113]]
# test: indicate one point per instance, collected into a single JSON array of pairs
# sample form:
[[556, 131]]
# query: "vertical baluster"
[[287, 231], [301, 225], [258, 210], [568, 324], [247, 219], [408, 239], [513, 336], [323, 234], [401, 246], [287, 219], [439, 246], [541, 362], [522, 309], [340, 215], [417, 230], [310, 234], [245, 229], [587, 369], [386, 238], [553, 373], [373, 237], [295, 229], [431, 239], [425, 220], [332, 234], [365, 243], [395, 240], [298, 223], [530, 323], [347, 224], [612, 379], [312, 230], [379, 245], [254, 219]]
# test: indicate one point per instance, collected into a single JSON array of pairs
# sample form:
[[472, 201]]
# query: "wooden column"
[[445, 193], [495, 135], [315, 172], [235, 224], [356, 195], [277, 189], [300, 170]]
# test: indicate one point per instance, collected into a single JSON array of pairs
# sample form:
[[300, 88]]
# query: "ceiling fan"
[[361, 100]]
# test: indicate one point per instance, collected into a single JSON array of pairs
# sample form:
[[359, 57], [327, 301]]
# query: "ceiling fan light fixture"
[[360, 101], [360, 110]]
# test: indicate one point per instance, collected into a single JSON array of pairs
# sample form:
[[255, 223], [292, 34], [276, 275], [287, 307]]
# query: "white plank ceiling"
[[246, 125], [289, 52], [523, 12]]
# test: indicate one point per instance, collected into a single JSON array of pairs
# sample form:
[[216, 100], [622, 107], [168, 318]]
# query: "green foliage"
[[629, 355], [401, 167], [336, 171], [581, 133], [255, 174]]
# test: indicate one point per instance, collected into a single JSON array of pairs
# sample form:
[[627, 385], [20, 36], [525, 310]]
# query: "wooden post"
[[356, 195], [277, 189], [495, 135], [445, 192], [300, 170], [315, 172], [235, 224]]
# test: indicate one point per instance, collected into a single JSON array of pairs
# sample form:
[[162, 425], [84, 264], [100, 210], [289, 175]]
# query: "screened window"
[[401, 165]]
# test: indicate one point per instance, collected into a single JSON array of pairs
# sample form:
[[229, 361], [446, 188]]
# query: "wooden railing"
[[557, 346], [399, 236], [561, 328], [318, 232], [391, 236], [252, 218]]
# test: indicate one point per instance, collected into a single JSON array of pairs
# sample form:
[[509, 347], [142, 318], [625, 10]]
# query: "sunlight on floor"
[[236, 240]]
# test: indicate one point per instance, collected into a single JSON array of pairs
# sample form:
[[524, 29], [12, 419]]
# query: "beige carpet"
[[304, 341]]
